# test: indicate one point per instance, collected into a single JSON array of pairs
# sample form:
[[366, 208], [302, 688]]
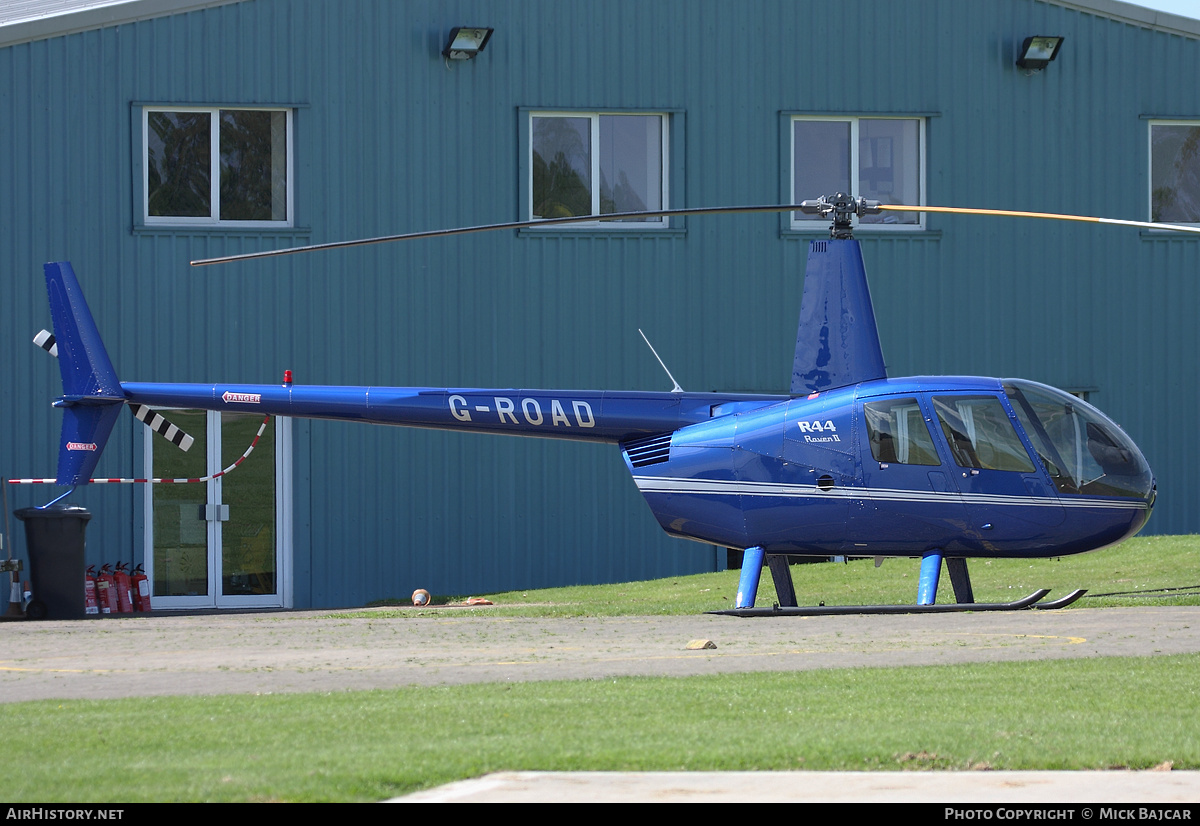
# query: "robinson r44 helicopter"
[[850, 462]]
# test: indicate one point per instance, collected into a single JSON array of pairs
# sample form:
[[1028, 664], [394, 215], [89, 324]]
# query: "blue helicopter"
[[849, 463]]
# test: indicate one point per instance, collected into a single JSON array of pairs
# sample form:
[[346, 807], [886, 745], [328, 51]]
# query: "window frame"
[[666, 138], [810, 225], [213, 219], [1153, 122]]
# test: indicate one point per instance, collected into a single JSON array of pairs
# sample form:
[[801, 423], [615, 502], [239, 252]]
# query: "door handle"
[[214, 513]]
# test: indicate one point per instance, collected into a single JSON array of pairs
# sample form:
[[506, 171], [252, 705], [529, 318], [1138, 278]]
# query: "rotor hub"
[[843, 208]]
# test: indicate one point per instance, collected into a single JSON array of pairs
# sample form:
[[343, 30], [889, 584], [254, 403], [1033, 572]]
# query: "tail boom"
[[580, 415], [93, 396]]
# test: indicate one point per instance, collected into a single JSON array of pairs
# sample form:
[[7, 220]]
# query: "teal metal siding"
[[388, 138]]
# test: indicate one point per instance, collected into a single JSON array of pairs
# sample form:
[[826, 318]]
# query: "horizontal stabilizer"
[[45, 339]]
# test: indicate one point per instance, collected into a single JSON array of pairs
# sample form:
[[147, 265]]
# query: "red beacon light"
[[287, 378]]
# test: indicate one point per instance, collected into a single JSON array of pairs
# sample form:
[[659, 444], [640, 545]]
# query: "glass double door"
[[217, 544]]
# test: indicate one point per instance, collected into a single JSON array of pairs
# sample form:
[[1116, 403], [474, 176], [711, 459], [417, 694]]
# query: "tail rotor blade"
[[45, 340], [161, 426]]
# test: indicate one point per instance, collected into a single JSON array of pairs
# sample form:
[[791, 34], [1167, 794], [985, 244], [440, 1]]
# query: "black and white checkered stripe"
[[45, 340], [161, 426]]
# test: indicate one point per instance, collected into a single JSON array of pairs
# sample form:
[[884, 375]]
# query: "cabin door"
[[224, 542]]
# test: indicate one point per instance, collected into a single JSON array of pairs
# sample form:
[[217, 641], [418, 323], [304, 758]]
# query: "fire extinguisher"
[[141, 589], [106, 592], [121, 581], [89, 591]]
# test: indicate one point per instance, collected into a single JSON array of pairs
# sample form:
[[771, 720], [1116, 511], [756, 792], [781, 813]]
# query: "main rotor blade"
[[620, 216], [1050, 215], [540, 222]]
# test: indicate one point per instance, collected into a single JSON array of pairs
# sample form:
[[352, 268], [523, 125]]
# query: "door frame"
[[284, 522]]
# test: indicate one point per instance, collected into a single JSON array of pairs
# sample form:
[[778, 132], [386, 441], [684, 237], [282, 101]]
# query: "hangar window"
[[1175, 172], [882, 159], [597, 164], [217, 166]]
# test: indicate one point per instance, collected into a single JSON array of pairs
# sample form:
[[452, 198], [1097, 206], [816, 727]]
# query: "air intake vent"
[[819, 246], [652, 450]]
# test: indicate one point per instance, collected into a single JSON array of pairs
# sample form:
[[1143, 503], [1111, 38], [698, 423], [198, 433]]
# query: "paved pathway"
[[311, 651]]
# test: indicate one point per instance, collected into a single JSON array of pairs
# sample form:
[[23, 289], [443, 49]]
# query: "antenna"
[[676, 388]]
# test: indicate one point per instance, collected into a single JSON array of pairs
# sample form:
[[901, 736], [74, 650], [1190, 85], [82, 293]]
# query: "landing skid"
[[1061, 602], [754, 558], [1031, 601]]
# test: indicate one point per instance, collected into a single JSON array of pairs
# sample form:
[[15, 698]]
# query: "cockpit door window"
[[897, 432], [980, 433]]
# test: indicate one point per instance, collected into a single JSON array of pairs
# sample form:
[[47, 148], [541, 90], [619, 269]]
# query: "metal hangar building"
[[139, 135]]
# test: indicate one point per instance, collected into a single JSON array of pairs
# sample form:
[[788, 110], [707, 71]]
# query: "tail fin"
[[837, 343], [92, 394]]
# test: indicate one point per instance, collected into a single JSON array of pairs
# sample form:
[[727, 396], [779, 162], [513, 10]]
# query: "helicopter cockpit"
[[1083, 451]]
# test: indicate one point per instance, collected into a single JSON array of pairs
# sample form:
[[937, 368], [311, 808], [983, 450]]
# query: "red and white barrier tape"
[[242, 458]]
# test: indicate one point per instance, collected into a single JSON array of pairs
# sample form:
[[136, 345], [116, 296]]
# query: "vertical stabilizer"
[[92, 394], [837, 343]]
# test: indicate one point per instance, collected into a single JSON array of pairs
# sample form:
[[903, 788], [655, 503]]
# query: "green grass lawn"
[[1099, 713], [1142, 564], [1104, 713]]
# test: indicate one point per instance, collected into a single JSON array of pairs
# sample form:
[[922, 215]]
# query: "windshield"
[[1081, 448]]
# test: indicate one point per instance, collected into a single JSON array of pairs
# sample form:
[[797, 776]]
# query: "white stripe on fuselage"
[[725, 487]]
